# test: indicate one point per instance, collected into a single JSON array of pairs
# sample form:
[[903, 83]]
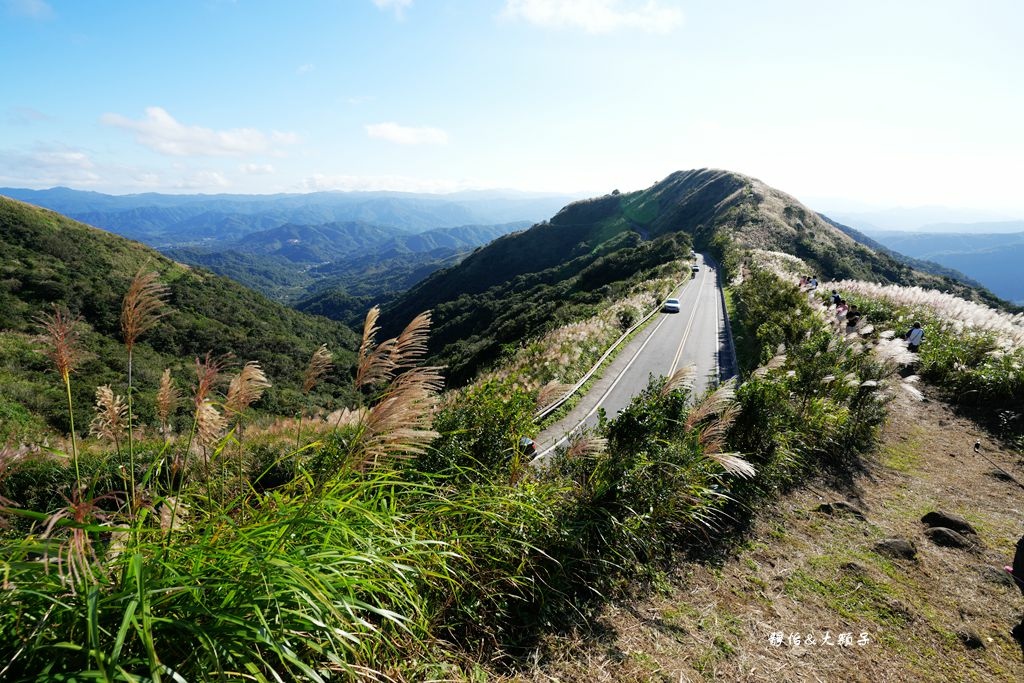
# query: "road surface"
[[694, 336]]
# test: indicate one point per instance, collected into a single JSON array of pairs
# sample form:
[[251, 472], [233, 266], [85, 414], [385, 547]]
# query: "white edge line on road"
[[607, 391]]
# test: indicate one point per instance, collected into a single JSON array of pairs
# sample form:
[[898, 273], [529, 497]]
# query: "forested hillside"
[[47, 259], [308, 265]]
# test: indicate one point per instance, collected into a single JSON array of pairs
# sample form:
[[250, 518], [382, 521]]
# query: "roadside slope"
[[945, 615]]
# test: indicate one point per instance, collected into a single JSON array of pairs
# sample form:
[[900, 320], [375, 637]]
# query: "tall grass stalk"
[[320, 363], [140, 312], [61, 337], [245, 389]]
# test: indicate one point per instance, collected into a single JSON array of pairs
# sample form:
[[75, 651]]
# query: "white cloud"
[[319, 182], [35, 9], [203, 180], [162, 133], [25, 116], [305, 69], [257, 169], [407, 135], [598, 16], [46, 165], [397, 5]]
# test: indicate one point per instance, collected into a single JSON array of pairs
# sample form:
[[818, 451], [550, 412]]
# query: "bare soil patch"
[[872, 613]]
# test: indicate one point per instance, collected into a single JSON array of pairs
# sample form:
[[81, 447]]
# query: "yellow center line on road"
[[689, 323]]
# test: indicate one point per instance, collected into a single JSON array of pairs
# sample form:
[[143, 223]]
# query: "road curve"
[[694, 336]]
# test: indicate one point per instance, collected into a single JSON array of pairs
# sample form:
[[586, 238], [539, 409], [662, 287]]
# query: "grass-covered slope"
[[48, 259]]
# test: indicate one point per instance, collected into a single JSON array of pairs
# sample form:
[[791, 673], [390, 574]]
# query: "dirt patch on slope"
[[872, 613]]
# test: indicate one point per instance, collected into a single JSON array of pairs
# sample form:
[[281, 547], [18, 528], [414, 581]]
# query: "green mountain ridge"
[[527, 274]]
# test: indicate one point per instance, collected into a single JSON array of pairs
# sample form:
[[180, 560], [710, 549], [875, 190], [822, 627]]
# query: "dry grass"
[[60, 339], [398, 425], [167, 399], [246, 388]]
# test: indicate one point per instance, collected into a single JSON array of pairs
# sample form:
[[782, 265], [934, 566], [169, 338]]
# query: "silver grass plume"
[[320, 363], [246, 388], [111, 412], [167, 400], [550, 393], [682, 377]]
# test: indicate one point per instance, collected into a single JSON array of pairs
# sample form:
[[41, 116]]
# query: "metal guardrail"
[[540, 415]]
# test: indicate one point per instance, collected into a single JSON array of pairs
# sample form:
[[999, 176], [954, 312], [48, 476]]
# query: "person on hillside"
[[814, 282], [836, 298], [852, 317], [841, 309], [1016, 570], [914, 337]]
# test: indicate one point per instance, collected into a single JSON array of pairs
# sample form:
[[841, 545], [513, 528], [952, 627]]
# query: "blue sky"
[[894, 103]]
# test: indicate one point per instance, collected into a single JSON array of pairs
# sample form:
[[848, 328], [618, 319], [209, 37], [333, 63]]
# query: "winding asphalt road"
[[694, 336]]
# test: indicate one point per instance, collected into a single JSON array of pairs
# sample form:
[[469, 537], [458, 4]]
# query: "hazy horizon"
[[880, 104]]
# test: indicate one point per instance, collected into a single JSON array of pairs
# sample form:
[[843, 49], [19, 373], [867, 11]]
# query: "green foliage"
[[480, 432], [48, 259], [471, 329], [811, 407], [769, 312]]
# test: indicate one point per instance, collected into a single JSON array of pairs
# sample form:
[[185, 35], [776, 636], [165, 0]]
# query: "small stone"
[[947, 538], [995, 575], [839, 507], [852, 568], [946, 520], [970, 639], [1000, 475], [896, 547]]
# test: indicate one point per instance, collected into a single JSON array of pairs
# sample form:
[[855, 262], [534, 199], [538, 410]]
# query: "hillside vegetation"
[[529, 277], [47, 259]]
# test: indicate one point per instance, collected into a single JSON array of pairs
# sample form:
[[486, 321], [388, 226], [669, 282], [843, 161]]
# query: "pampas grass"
[[961, 313], [61, 338], [320, 364], [167, 400], [141, 310], [109, 422], [398, 425]]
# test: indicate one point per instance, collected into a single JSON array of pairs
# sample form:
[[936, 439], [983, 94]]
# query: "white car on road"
[[671, 306]]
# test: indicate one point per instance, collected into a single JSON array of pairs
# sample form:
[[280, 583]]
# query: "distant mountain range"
[[298, 247], [295, 263], [993, 259], [162, 220]]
